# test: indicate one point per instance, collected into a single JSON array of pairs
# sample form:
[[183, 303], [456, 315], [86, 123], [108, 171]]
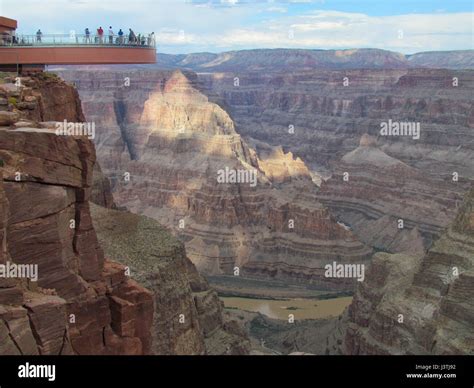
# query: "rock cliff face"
[[81, 302], [388, 204], [411, 305], [330, 110], [188, 313], [101, 192], [163, 145]]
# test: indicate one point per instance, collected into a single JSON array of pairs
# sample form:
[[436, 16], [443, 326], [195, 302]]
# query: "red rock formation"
[[81, 302], [101, 193], [95, 308], [41, 98]]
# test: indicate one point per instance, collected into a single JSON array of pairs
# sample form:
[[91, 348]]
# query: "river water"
[[300, 308]]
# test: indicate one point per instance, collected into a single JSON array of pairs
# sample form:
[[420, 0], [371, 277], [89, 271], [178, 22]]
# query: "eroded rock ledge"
[[412, 305], [189, 315], [82, 303]]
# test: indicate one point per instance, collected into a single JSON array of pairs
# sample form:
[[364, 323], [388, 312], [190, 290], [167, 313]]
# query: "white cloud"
[[277, 9], [215, 26], [331, 29]]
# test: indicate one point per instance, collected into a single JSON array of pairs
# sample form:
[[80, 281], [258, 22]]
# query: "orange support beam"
[[76, 55]]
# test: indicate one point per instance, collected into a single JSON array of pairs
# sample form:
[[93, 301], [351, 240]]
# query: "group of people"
[[120, 38], [8, 38]]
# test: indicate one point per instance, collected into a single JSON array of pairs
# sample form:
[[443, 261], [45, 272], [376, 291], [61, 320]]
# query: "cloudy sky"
[[184, 26]]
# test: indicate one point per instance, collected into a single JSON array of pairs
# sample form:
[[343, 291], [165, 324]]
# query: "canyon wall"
[[389, 204], [162, 144], [331, 109], [296, 127], [169, 132], [81, 302], [189, 315], [321, 115], [413, 305], [408, 304]]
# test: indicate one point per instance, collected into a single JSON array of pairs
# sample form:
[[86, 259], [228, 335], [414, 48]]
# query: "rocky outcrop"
[[410, 305], [163, 145], [81, 303], [78, 302], [40, 98], [101, 192], [280, 166], [388, 204], [188, 313]]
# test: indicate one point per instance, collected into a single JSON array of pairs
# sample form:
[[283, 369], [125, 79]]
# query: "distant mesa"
[[304, 59]]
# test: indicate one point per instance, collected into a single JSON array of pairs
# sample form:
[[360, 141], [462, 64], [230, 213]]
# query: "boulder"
[[8, 118]]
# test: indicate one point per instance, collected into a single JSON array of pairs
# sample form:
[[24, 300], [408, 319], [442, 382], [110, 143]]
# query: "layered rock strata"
[[331, 109], [188, 313], [413, 305], [163, 145], [388, 204], [320, 116], [81, 302], [69, 299]]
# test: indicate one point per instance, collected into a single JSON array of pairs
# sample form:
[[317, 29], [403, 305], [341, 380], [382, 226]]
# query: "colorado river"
[[300, 308]]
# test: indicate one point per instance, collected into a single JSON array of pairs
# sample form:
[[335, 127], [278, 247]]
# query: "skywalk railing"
[[39, 40]]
